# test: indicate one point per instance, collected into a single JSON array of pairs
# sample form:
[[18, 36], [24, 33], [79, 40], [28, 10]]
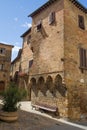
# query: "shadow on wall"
[[43, 86]]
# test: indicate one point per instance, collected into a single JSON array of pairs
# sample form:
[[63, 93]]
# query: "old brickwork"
[[55, 77], [27, 54], [26, 57], [47, 72], [5, 64], [15, 65], [74, 39]]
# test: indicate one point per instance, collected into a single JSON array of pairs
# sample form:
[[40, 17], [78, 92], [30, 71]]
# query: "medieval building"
[[58, 76], [15, 67], [5, 64]]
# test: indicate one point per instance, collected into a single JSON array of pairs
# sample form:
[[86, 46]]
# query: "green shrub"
[[11, 96]]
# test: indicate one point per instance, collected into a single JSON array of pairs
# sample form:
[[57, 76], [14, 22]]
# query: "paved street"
[[34, 120], [30, 121]]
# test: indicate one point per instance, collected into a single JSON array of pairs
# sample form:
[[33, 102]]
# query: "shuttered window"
[[29, 39], [51, 17], [39, 26], [81, 22], [1, 66], [2, 50], [30, 63], [83, 58]]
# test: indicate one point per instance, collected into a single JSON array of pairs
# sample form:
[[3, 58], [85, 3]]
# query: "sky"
[[14, 20]]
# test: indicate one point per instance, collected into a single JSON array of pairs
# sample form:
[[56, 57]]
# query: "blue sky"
[[14, 20]]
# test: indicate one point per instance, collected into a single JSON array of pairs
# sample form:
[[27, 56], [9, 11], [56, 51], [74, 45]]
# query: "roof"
[[5, 44], [47, 4], [18, 56], [25, 33]]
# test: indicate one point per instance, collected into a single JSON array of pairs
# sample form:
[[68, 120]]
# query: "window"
[[81, 22], [51, 17], [83, 58], [30, 63], [29, 39], [39, 26], [2, 50], [1, 66]]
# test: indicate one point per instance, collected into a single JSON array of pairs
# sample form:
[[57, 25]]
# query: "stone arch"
[[49, 82], [59, 85], [58, 80], [2, 85], [50, 85], [41, 85], [33, 81], [33, 86], [16, 77], [40, 82]]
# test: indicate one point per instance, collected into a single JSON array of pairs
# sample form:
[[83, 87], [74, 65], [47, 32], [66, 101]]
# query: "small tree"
[[11, 96]]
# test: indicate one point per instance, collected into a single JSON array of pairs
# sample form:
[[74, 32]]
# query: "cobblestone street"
[[28, 121], [31, 121]]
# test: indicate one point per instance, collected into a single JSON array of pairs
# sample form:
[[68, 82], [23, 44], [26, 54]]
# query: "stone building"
[[26, 60], [58, 76], [5, 64], [15, 67]]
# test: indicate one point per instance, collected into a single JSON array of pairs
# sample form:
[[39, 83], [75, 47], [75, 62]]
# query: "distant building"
[[26, 61], [16, 67], [58, 76], [5, 64]]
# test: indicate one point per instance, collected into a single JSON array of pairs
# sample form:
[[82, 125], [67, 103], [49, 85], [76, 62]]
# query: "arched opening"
[[50, 85], [33, 86], [41, 85], [16, 77], [58, 81], [59, 86], [40, 82], [49, 82], [33, 83], [2, 86]]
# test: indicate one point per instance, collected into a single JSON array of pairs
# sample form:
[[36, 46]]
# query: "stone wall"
[[47, 73], [5, 59], [75, 80], [27, 54]]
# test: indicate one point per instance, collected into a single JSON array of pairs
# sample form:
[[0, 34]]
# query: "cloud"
[[16, 48], [15, 52], [26, 25], [15, 19]]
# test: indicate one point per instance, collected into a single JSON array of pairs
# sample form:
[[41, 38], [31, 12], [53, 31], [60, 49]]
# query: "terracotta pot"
[[8, 116]]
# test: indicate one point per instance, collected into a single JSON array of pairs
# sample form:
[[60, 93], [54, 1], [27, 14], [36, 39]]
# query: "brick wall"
[[47, 73], [75, 38]]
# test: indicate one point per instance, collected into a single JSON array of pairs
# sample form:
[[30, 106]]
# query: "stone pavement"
[[34, 120]]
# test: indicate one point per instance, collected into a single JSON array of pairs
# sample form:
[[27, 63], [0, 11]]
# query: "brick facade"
[[55, 76], [5, 64]]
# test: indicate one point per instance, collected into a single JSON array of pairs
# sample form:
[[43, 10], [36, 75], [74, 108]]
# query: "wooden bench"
[[46, 107]]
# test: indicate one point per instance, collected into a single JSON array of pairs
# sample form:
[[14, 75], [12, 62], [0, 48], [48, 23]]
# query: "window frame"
[[51, 18], [83, 58], [1, 67], [29, 40], [2, 50], [81, 22]]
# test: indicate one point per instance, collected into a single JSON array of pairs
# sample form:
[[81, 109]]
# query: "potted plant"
[[11, 97]]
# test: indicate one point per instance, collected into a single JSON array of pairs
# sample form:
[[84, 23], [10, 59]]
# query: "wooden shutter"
[[39, 25], [51, 17], [84, 58], [30, 63], [81, 56], [81, 22], [29, 39]]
